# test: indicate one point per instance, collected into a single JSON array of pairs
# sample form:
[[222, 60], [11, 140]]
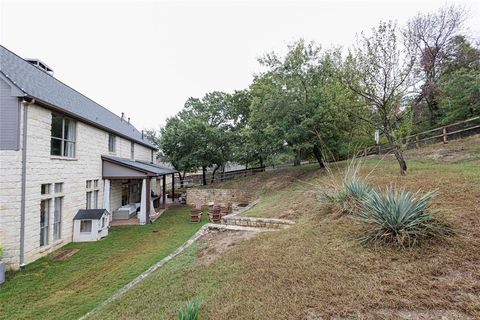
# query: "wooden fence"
[[443, 134], [197, 179]]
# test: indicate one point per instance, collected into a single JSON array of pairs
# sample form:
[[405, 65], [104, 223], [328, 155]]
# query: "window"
[[44, 217], [95, 199], [91, 195], [58, 187], [57, 218], [104, 221], [111, 142], [89, 200], [132, 150], [85, 225], [45, 189], [151, 156], [62, 136]]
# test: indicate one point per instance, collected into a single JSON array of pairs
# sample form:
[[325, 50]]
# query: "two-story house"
[[61, 152]]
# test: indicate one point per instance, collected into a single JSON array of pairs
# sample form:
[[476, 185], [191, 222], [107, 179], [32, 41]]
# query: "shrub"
[[347, 198], [397, 217], [190, 311]]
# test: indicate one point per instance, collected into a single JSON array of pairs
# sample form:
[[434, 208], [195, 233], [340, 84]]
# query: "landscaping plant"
[[190, 311], [397, 217]]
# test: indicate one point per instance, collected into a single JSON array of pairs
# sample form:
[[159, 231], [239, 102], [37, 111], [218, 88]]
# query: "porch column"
[[164, 190], [173, 187], [143, 203], [149, 199], [106, 195]]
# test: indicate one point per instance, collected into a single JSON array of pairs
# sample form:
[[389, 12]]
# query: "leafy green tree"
[[379, 71], [429, 36], [460, 82]]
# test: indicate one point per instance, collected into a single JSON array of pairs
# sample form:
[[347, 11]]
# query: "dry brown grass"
[[318, 270]]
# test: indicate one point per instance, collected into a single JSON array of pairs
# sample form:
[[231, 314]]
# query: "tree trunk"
[[401, 161], [318, 155], [204, 175], [213, 174], [181, 178], [398, 154], [297, 159]]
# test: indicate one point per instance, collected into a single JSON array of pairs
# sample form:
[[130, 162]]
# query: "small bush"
[[398, 217], [347, 199], [190, 311]]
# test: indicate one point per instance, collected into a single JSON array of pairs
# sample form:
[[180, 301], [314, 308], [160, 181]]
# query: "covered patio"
[[128, 192]]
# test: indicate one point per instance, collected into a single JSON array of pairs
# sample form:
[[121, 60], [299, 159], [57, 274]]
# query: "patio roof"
[[116, 167]]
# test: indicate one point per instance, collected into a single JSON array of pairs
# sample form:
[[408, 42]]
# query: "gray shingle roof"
[[45, 88], [89, 214], [141, 165]]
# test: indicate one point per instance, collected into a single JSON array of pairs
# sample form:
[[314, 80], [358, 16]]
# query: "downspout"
[[25, 104]]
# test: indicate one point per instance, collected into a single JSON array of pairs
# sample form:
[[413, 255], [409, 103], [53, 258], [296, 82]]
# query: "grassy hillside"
[[317, 268]]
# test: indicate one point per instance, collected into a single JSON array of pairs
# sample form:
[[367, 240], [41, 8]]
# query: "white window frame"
[[88, 222], [63, 140], [112, 143], [92, 193], [57, 218], [44, 229]]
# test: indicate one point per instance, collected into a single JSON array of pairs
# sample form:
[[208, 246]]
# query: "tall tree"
[[429, 34], [379, 71]]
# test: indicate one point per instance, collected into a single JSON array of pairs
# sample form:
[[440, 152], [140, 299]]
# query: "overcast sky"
[[145, 58]]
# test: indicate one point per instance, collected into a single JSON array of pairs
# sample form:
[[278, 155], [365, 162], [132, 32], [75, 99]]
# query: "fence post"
[[417, 141], [444, 134]]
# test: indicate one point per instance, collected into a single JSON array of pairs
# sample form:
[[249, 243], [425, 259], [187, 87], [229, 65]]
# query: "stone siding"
[[42, 168], [220, 196]]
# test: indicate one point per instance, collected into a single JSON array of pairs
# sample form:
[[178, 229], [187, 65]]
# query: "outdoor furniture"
[[196, 213], [126, 212], [224, 210], [214, 213]]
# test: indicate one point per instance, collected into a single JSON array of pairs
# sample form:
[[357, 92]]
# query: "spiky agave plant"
[[190, 311], [398, 217]]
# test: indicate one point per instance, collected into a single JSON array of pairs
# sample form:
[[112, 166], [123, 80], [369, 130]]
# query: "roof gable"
[[47, 89]]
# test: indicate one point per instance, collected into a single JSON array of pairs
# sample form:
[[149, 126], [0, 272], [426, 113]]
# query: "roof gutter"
[[25, 103]]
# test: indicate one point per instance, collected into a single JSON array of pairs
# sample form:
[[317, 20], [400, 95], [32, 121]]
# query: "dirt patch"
[[215, 243], [63, 254]]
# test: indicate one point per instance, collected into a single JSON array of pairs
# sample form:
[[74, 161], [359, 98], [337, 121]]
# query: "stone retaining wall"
[[269, 223], [220, 196]]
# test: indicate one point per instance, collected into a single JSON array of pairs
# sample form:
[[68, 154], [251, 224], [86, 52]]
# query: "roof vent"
[[40, 65]]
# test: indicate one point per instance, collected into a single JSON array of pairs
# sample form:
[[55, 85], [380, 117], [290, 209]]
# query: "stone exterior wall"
[[269, 223], [42, 168], [220, 196]]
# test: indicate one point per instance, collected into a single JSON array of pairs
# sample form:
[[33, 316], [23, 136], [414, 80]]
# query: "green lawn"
[[49, 289]]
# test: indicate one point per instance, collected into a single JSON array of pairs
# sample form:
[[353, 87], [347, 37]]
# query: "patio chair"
[[224, 210], [196, 213], [214, 213]]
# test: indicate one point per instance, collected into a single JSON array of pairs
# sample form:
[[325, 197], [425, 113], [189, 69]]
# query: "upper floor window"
[[111, 142], [62, 136], [132, 150]]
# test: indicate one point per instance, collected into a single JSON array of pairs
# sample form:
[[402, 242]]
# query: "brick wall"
[[220, 196]]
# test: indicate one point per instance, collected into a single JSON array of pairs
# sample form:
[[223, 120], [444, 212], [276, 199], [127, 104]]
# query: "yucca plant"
[[190, 311], [397, 217]]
